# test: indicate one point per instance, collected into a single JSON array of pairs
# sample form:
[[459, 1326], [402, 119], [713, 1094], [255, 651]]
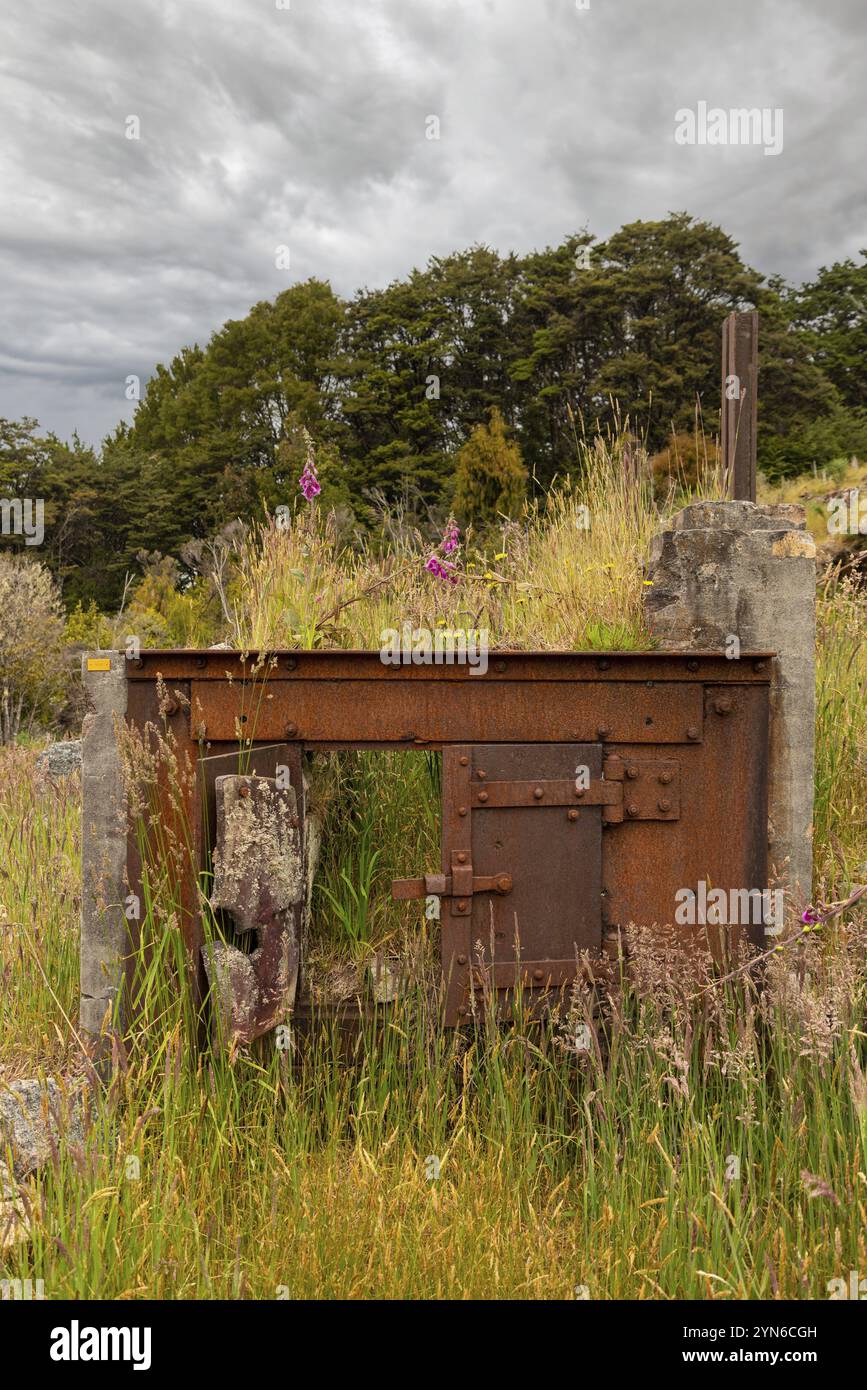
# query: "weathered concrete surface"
[[104, 935], [737, 570]]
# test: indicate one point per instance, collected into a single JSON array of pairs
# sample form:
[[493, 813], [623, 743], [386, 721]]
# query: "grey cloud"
[[306, 127]]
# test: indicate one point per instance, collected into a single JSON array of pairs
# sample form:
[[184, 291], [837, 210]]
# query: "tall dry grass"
[[710, 1142], [569, 573]]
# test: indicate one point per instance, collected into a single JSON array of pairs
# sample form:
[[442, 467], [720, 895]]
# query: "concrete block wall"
[[104, 935], [736, 570]]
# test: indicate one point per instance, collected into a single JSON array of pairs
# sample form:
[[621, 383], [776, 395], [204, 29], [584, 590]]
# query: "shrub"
[[490, 479], [684, 465], [33, 675]]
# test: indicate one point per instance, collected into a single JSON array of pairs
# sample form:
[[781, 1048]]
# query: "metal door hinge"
[[630, 789], [649, 788]]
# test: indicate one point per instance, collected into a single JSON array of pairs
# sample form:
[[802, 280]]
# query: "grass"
[[39, 903], [568, 574], [712, 1143], [812, 491], [380, 818], [245, 1178], [840, 814]]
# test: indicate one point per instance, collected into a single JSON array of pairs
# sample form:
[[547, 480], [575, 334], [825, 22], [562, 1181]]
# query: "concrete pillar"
[[104, 936], [735, 570]]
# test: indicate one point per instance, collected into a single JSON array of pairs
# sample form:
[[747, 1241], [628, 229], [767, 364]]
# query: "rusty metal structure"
[[739, 399], [580, 792]]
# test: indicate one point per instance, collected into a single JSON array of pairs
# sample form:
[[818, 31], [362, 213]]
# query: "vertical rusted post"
[[740, 373]]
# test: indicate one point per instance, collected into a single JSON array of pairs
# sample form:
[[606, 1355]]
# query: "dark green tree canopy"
[[394, 383]]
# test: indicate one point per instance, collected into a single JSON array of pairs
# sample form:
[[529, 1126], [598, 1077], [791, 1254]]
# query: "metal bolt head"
[[538, 975], [462, 810], [504, 883], [632, 772], [462, 858], [759, 665], [463, 1011], [603, 731], [604, 664], [464, 761], [665, 777], [291, 730], [722, 704], [538, 793], [632, 809], [462, 905], [571, 815], [483, 796], [481, 774], [692, 732], [462, 960], [499, 666], [692, 666], [291, 663], [664, 804]]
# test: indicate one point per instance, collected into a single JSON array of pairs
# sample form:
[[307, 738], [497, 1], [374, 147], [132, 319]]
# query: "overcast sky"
[[306, 127]]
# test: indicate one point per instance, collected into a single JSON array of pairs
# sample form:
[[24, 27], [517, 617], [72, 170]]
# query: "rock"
[[14, 1225], [59, 759], [34, 1117], [388, 978]]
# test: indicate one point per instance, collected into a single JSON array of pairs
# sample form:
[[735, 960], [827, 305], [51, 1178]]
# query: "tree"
[[831, 312], [83, 505], [423, 361], [205, 438], [490, 479]]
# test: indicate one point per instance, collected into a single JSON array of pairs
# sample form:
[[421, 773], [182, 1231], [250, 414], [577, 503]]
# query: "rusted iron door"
[[523, 813], [523, 896]]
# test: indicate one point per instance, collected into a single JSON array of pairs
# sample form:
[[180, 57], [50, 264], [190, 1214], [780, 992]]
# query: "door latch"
[[460, 885]]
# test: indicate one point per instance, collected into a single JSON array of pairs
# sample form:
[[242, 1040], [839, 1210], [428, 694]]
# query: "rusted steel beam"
[[740, 378], [175, 664], [333, 699]]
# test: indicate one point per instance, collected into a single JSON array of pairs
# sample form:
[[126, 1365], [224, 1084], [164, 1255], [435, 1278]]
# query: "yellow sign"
[[99, 663]]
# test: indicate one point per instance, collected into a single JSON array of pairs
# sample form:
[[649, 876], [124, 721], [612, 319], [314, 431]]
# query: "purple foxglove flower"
[[450, 538], [441, 569]]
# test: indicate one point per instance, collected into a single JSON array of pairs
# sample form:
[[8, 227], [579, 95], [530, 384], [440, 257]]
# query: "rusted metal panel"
[[552, 853], [439, 711], [721, 837], [740, 396]]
